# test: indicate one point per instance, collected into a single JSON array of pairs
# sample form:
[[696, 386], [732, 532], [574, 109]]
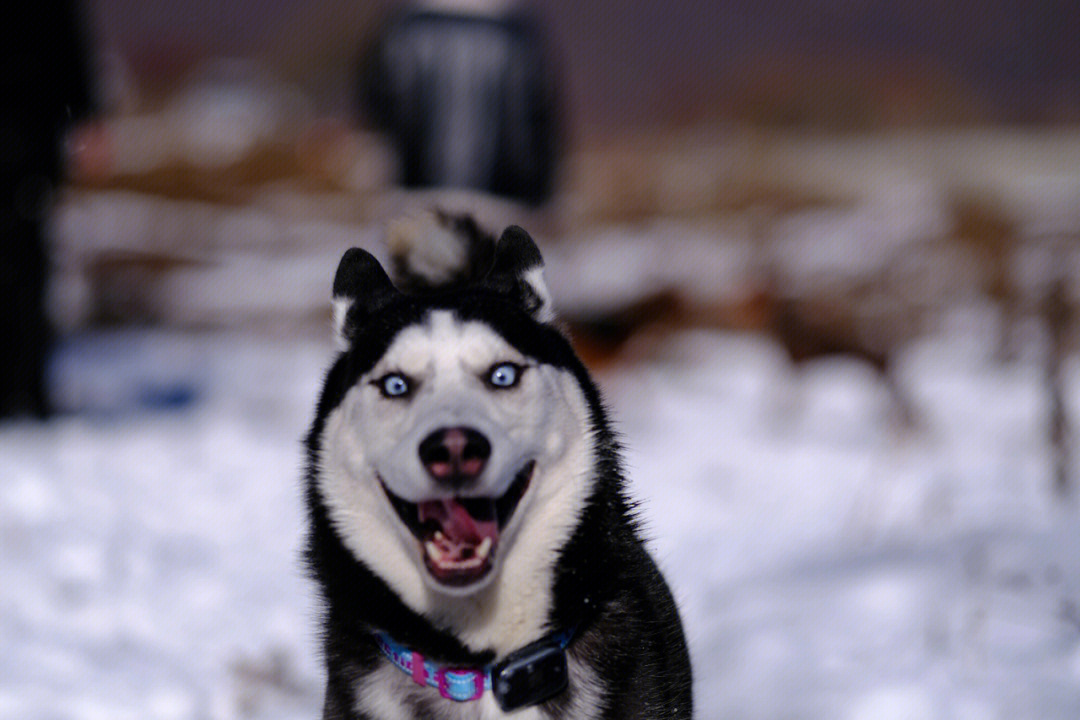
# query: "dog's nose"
[[455, 456]]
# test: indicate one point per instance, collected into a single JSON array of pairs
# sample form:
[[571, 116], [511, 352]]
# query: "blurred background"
[[822, 256]]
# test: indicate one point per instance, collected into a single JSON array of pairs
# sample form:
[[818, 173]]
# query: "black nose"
[[455, 456]]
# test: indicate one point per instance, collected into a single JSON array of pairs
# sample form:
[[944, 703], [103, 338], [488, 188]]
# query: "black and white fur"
[[570, 555]]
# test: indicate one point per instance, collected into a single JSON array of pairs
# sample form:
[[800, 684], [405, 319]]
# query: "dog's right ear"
[[361, 286]]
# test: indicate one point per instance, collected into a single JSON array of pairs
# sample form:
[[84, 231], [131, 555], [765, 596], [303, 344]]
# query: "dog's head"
[[456, 447]]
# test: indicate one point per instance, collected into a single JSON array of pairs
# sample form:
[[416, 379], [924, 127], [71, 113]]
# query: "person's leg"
[[24, 326]]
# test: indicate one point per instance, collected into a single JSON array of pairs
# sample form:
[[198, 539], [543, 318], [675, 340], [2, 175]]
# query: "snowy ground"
[[828, 564]]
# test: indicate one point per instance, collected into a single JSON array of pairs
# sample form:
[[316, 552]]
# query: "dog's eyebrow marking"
[[442, 337]]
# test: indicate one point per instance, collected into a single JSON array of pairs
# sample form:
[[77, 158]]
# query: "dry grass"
[[755, 177], [233, 184]]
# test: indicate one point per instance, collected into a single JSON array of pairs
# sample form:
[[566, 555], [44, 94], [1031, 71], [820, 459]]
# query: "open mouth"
[[458, 536]]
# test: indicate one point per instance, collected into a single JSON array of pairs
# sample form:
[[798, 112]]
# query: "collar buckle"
[[460, 684]]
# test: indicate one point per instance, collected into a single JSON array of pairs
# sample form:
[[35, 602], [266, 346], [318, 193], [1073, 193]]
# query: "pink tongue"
[[456, 522]]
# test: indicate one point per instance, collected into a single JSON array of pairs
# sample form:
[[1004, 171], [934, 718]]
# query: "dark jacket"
[[45, 75], [467, 101]]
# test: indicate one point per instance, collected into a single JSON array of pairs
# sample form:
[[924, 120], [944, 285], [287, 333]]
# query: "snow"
[[828, 562]]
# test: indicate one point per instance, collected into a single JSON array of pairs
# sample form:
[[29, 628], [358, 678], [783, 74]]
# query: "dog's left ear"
[[518, 270], [361, 286]]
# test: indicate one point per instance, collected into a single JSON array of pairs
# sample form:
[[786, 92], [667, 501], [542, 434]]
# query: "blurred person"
[[46, 78], [465, 93]]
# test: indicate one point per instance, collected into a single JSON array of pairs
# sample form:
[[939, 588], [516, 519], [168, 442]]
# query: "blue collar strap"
[[525, 677]]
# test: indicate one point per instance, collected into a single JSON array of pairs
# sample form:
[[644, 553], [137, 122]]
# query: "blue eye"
[[504, 375], [394, 385]]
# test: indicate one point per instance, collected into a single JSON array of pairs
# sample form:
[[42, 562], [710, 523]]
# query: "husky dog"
[[470, 531]]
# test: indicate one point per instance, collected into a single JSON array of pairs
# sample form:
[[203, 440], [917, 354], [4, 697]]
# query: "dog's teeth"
[[483, 548], [444, 560], [461, 564]]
